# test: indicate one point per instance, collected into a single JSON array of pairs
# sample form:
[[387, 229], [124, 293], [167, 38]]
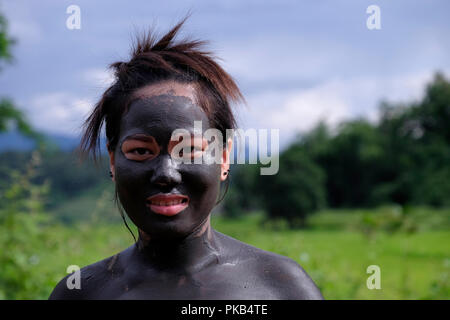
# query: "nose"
[[165, 174]]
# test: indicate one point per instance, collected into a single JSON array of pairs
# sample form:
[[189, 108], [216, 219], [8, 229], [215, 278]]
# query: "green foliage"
[[5, 41], [35, 250], [9, 114], [350, 160], [23, 226], [392, 219], [383, 220], [403, 159], [242, 196], [413, 265], [416, 141], [296, 191], [68, 178], [94, 204]]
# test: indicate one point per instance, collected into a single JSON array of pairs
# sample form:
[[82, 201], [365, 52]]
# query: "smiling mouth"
[[167, 204]]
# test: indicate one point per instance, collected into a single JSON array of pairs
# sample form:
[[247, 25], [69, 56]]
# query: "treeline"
[[404, 159]]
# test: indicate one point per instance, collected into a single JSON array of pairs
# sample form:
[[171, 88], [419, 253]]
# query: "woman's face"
[[165, 198]]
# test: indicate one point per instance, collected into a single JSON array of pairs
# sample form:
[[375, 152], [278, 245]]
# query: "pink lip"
[[167, 210]]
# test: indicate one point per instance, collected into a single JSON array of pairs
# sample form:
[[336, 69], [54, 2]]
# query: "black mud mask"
[[166, 199]]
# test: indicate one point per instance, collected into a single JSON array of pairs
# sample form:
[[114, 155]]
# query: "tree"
[[403, 159], [297, 190], [417, 144], [242, 195], [9, 114], [5, 41]]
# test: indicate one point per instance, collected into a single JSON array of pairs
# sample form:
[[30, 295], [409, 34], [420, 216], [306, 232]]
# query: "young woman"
[[166, 86]]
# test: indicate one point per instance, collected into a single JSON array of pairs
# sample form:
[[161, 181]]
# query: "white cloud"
[[58, 112], [22, 23], [294, 111], [283, 57]]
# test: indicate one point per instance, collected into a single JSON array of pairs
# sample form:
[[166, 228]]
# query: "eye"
[[141, 151], [137, 150], [140, 154]]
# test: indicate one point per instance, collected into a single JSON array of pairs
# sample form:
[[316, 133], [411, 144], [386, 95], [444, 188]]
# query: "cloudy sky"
[[297, 62]]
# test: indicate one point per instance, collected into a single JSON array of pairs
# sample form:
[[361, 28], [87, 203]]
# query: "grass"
[[335, 251], [413, 265], [337, 261]]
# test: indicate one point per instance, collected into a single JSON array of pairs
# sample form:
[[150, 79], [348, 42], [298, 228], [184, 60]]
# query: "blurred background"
[[363, 114]]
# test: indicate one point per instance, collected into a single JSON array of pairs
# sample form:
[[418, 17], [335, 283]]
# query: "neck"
[[188, 255]]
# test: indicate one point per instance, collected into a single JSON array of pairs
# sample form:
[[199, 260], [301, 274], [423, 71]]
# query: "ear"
[[225, 166], [111, 162]]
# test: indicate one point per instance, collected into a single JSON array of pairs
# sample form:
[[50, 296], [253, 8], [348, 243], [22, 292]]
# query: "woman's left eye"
[[140, 154], [141, 151]]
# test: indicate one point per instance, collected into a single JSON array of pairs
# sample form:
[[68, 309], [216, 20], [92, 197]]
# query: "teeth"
[[167, 203]]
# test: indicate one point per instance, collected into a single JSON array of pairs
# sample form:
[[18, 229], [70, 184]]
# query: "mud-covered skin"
[[159, 116], [234, 270], [180, 257]]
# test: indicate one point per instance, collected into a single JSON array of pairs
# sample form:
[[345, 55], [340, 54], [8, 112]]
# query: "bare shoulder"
[[281, 274], [91, 279], [289, 277]]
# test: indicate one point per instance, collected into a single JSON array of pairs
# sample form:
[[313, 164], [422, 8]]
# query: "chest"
[[165, 286]]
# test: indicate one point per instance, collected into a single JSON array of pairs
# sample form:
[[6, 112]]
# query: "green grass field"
[[413, 266], [335, 251]]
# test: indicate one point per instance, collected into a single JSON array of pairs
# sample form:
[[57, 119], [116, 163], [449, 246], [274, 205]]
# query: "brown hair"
[[156, 61]]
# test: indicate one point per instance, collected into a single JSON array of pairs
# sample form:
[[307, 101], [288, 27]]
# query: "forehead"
[[166, 87], [161, 108]]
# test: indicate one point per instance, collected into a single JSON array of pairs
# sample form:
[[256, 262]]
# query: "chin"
[[171, 229]]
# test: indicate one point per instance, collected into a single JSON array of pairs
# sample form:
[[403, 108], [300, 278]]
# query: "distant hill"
[[14, 141]]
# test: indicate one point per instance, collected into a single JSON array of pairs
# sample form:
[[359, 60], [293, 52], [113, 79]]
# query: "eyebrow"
[[140, 137]]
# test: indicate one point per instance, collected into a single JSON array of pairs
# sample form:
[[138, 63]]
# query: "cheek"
[[130, 178], [203, 182], [128, 174]]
